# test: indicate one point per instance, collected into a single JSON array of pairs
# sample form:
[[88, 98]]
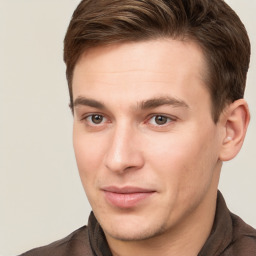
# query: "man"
[[156, 89]]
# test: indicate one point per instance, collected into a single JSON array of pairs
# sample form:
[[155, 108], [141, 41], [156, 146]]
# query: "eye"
[[95, 119], [159, 120]]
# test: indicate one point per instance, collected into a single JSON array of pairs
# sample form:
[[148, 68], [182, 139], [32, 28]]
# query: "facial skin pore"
[[147, 149]]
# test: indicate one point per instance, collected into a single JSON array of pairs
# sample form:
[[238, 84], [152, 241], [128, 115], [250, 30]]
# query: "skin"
[[142, 118]]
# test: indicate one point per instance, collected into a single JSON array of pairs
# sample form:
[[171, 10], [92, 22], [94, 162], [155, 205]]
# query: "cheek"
[[87, 152], [171, 150], [184, 159]]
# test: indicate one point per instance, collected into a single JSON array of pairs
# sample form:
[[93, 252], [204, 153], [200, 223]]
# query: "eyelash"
[[167, 119], [92, 124], [90, 116]]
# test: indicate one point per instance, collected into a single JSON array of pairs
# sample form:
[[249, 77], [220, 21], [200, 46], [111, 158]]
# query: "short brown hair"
[[211, 23]]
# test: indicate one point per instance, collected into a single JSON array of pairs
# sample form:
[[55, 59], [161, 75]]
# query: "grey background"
[[41, 197]]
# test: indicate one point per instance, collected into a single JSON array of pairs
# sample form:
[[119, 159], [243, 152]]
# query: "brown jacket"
[[230, 236]]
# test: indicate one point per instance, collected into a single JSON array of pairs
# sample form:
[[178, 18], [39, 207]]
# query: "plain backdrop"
[[41, 197]]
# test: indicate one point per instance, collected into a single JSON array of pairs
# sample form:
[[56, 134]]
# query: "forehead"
[[140, 70], [132, 56]]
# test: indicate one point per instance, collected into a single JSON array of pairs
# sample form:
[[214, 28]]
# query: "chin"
[[133, 232]]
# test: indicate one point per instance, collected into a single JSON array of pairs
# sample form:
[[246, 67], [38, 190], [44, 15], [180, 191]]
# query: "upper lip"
[[127, 190]]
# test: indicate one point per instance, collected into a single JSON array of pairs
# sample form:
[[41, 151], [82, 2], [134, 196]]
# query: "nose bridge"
[[123, 151]]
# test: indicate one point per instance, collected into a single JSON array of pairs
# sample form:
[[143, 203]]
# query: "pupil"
[[161, 120], [97, 119]]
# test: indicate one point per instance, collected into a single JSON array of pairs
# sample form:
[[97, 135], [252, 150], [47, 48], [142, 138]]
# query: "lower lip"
[[126, 200]]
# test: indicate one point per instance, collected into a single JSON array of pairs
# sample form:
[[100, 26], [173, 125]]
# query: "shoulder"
[[243, 239], [75, 244]]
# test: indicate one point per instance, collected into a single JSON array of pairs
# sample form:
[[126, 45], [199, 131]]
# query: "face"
[[146, 146]]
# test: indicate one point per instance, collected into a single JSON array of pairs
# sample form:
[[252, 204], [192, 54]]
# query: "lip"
[[126, 197]]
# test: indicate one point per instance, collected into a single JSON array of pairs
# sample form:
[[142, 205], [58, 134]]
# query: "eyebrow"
[[146, 104], [88, 102], [160, 101]]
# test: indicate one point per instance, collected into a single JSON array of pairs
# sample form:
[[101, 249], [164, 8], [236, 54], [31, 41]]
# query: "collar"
[[221, 234]]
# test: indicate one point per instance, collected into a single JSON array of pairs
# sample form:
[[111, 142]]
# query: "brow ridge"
[[144, 105], [88, 102], [159, 101]]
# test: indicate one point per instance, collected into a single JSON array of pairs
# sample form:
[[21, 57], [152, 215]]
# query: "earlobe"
[[237, 117]]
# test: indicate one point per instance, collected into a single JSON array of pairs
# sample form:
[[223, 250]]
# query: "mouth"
[[126, 197]]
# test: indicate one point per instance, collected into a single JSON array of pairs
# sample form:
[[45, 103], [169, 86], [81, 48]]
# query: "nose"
[[124, 152]]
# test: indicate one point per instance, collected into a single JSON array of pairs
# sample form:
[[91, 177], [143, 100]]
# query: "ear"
[[235, 118]]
